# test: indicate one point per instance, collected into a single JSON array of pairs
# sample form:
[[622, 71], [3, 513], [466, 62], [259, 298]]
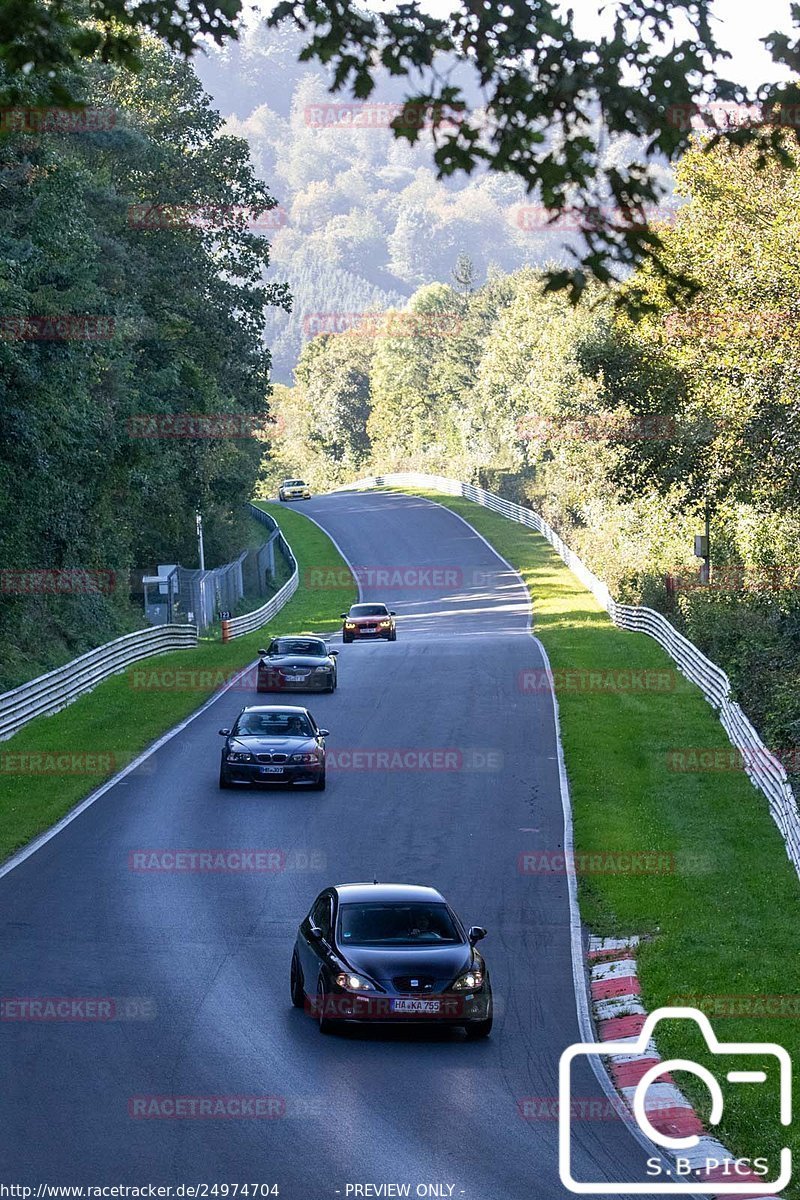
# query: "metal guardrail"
[[763, 768], [238, 626], [49, 693]]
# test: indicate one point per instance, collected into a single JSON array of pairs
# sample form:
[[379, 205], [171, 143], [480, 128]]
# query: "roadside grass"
[[124, 714], [724, 921]]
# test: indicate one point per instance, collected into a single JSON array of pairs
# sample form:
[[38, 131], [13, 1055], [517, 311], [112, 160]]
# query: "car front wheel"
[[319, 784], [224, 781], [480, 1029], [298, 993], [326, 1025]]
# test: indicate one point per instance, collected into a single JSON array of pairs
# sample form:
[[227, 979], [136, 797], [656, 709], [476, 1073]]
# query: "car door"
[[316, 951]]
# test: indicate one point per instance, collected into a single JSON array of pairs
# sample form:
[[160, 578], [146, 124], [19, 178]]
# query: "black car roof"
[[387, 891]]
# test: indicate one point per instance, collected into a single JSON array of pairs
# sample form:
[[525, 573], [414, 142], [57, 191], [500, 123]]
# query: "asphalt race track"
[[207, 954]]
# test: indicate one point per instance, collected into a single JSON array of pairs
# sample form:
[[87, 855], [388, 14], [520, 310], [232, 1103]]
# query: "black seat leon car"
[[390, 953]]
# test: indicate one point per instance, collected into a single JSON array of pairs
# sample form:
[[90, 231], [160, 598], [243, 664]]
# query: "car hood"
[[259, 745], [442, 963], [294, 660]]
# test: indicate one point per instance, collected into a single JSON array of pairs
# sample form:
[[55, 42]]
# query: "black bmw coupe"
[[268, 744], [297, 663]]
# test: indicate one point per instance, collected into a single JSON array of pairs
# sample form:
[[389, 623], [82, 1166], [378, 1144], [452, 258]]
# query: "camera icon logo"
[[752, 1187]]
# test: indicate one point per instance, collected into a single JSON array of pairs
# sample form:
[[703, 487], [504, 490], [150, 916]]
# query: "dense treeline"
[[620, 433], [364, 220], [130, 287]]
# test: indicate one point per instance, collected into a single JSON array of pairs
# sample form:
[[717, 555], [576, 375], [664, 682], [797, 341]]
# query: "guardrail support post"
[[226, 631]]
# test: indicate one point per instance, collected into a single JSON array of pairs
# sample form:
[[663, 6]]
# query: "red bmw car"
[[368, 621]]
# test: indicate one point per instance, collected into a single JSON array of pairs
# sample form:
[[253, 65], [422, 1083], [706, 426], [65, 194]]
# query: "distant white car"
[[294, 489]]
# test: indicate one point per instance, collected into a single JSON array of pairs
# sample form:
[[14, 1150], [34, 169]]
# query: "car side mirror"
[[333, 653], [476, 933], [323, 732], [224, 732], [343, 615], [392, 613], [315, 933], [262, 653]]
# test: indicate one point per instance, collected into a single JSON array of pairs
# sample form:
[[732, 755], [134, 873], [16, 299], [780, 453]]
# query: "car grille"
[[414, 983], [272, 758]]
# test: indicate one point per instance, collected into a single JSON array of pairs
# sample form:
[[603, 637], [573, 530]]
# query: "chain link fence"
[[184, 595]]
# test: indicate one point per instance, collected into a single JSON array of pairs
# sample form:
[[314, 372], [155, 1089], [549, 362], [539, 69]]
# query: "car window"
[[369, 610], [399, 924], [307, 646], [275, 723], [321, 915]]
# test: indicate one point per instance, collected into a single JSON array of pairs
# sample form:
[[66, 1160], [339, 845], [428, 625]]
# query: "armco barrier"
[[51, 692], [764, 770], [55, 690], [237, 626]]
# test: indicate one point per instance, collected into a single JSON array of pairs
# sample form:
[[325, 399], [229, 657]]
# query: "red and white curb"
[[620, 1017]]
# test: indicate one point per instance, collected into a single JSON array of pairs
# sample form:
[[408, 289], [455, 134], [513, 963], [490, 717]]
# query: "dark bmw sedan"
[[273, 745], [390, 953], [299, 664]]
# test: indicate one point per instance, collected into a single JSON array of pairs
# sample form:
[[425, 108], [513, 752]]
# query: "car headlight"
[[306, 758], [385, 624], [354, 983], [470, 981], [321, 670], [349, 624], [239, 756]]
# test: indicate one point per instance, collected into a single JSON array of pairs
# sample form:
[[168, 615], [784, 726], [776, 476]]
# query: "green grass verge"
[[126, 713], [724, 922]]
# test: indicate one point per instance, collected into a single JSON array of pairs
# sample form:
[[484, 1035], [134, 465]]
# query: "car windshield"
[[293, 483], [400, 924], [309, 646], [369, 610], [274, 724]]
